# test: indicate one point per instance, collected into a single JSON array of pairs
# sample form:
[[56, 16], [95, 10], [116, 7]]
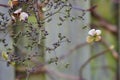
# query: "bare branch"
[[114, 52], [44, 69], [40, 68], [112, 28], [62, 75], [4, 5], [89, 60], [72, 50]]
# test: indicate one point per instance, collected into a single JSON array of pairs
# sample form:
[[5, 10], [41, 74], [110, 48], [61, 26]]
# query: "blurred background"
[[77, 60]]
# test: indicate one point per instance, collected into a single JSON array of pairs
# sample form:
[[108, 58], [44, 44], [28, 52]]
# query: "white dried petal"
[[98, 32], [18, 11], [13, 18], [92, 32], [23, 16]]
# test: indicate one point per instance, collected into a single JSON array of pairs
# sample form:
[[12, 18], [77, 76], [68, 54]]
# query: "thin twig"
[[27, 75], [4, 5], [62, 75], [89, 60], [72, 50], [50, 72], [114, 52], [105, 24], [36, 12], [54, 12]]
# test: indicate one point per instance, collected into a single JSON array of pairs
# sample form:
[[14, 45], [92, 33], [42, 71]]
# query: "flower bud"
[[5, 55]]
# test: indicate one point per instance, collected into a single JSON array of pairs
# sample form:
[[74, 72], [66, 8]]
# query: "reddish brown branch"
[[43, 69], [105, 24], [62, 75], [92, 8], [3, 5], [72, 50], [90, 59], [116, 1]]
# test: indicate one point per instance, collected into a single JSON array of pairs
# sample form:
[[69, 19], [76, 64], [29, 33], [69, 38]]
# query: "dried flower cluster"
[[94, 35]]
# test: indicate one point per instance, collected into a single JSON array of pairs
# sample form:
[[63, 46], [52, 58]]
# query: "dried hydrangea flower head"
[[93, 35]]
